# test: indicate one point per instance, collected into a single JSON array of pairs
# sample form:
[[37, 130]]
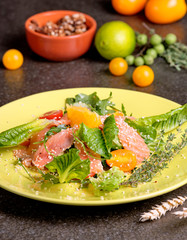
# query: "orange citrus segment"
[[124, 159], [79, 114]]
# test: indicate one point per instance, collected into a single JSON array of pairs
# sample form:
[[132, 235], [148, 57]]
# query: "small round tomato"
[[128, 7], [118, 66], [124, 159], [143, 76], [55, 114], [12, 59]]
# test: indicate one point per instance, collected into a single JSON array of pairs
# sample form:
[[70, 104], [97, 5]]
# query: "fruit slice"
[[131, 140], [124, 159], [79, 114]]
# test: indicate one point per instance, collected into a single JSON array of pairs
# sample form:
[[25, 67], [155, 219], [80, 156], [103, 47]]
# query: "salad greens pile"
[[69, 166]]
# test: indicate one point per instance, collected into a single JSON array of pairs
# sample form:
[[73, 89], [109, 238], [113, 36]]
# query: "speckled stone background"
[[22, 218]]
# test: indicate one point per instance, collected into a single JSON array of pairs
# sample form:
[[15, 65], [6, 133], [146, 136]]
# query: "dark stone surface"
[[22, 218]]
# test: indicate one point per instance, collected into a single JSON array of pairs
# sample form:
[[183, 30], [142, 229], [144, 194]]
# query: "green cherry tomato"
[[155, 39], [159, 48], [151, 52], [148, 60], [170, 38], [139, 61], [130, 60], [141, 39]]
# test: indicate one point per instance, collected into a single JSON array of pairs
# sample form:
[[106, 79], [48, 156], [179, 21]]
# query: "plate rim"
[[92, 202]]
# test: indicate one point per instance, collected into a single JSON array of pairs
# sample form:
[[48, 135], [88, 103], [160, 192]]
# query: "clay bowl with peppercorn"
[[60, 35]]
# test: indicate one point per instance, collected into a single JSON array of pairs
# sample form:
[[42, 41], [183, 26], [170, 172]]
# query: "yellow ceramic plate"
[[14, 179]]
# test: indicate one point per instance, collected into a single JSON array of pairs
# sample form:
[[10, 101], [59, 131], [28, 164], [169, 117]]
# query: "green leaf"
[[94, 102], [123, 110], [148, 133], [110, 132], [69, 166], [167, 121], [94, 139], [17, 135], [108, 180]]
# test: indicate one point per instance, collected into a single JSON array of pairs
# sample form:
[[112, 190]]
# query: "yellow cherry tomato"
[[143, 76], [124, 159], [118, 66], [12, 59]]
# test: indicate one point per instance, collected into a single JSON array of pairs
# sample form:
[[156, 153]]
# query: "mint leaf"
[[70, 166], [108, 180], [17, 135], [94, 139], [167, 121], [110, 132]]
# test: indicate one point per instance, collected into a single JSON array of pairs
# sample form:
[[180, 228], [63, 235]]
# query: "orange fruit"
[[165, 11], [143, 76], [79, 114], [128, 7], [124, 159]]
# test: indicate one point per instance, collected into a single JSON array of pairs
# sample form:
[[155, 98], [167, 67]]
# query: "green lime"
[[151, 52], [171, 38], [148, 59], [159, 48], [155, 39], [130, 60], [115, 39], [139, 61], [141, 39]]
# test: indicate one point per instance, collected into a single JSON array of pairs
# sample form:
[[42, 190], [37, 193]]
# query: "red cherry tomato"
[[55, 114]]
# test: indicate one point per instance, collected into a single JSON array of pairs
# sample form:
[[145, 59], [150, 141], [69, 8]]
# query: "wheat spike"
[[159, 210], [181, 214]]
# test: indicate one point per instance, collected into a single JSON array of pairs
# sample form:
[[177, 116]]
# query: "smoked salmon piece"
[[56, 145], [131, 140], [95, 164]]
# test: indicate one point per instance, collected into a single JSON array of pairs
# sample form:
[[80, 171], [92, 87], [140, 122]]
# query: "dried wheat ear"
[[159, 210]]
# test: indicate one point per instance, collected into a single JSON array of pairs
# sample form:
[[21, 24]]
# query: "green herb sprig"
[[159, 159], [176, 55]]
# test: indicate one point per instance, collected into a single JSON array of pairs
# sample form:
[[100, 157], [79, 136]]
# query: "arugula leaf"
[[94, 139], [108, 180], [70, 166], [17, 135], [94, 102], [110, 132], [167, 121], [123, 110], [148, 133]]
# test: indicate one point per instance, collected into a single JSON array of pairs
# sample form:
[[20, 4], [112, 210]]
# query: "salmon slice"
[[56, 145], [95, 164], [131, 140]]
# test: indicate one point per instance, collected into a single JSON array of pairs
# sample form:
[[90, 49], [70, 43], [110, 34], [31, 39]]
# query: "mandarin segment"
[[124, 159], [79, 114]]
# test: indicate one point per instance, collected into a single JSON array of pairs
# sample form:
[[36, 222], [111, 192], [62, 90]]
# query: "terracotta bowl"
[[56, 48]]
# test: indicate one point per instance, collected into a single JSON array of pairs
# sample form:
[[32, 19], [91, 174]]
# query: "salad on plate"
[[92, 142]]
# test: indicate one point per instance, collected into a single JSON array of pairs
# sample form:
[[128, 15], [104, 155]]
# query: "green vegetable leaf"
[[69, 166], [167, 121], [94, 102], [110, 132], [94, 139], [17, 135], [148, 133], [123, 110], [108, 180]]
